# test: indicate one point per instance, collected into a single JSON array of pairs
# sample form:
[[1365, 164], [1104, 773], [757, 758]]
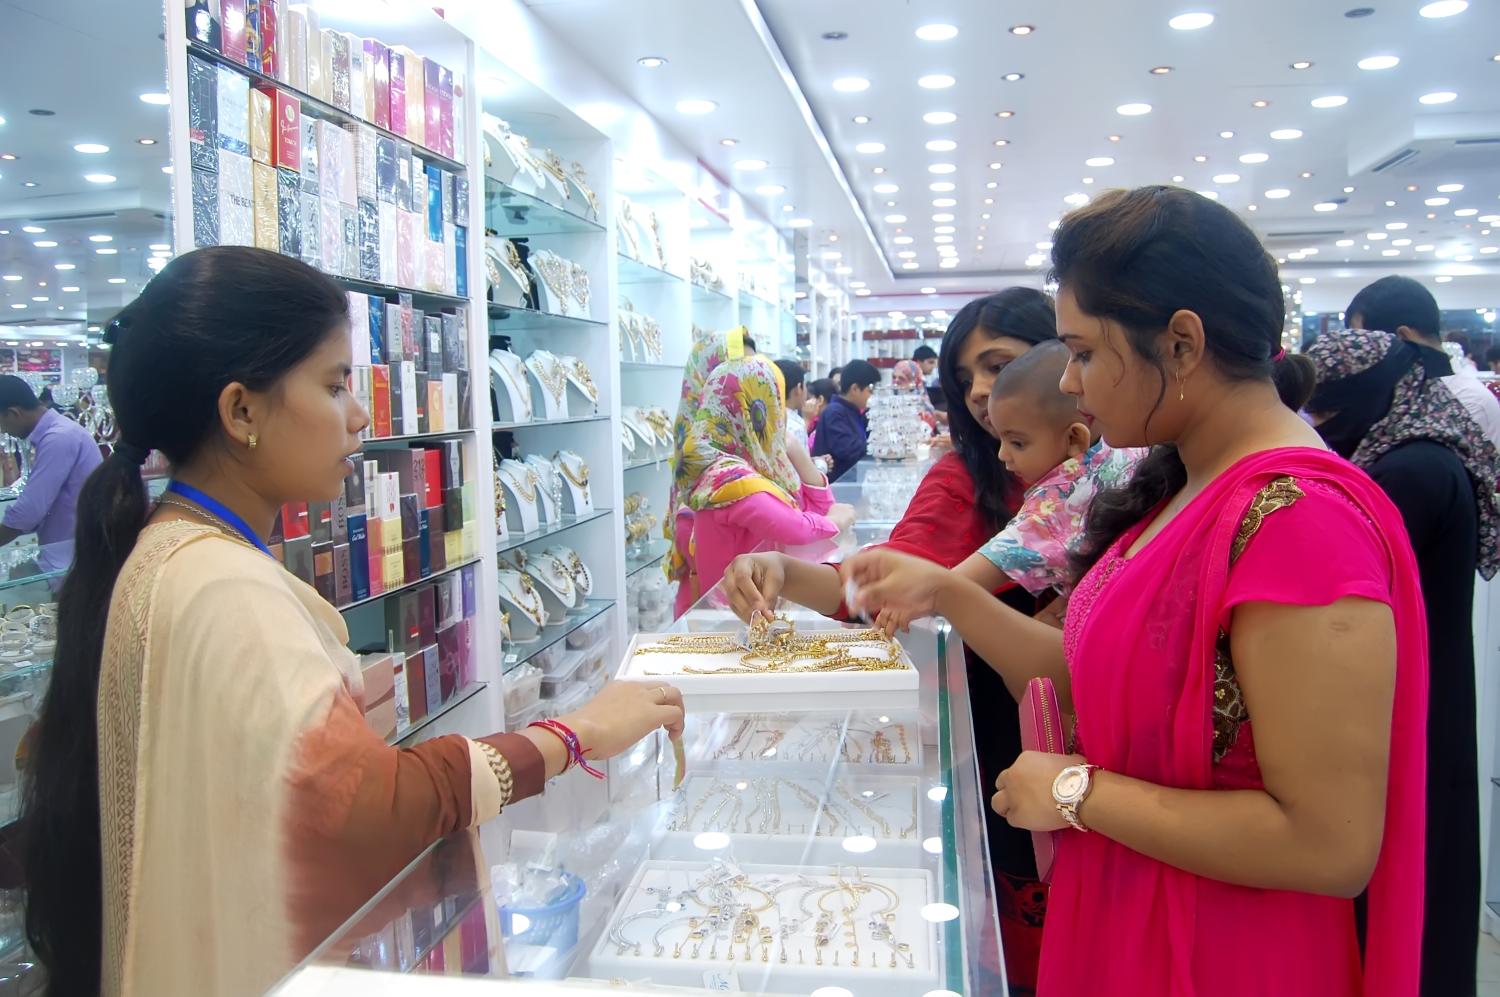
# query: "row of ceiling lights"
[[155, 98]]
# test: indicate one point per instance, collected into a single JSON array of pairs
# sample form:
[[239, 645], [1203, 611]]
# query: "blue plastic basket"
[[554, 925]]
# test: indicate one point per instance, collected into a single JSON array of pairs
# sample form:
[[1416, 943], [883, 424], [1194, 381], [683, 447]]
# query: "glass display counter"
[[29, 578], [880, 490], [811, 845]]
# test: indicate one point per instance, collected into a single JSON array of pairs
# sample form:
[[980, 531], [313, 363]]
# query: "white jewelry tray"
[[785, 691], [873, 977]]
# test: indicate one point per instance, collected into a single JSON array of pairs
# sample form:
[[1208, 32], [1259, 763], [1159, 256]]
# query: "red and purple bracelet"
[[565, 734]]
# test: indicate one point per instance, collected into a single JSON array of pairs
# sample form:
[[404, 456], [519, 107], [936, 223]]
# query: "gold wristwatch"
[[1070, 789]]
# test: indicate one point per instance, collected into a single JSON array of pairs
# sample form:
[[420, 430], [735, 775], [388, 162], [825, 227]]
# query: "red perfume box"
[[380, 399], [286, 127]]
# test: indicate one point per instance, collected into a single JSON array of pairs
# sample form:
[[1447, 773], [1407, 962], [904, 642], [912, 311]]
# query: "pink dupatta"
[[1120, 922]]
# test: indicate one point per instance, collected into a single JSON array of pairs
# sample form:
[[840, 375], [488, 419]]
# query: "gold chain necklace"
[[555, 272], [532, 604], [518, 269], [552, 376], [525, 487], [499, 495], [582, 373], [564, 578], [521, 392], [580, 286], [579, 478]]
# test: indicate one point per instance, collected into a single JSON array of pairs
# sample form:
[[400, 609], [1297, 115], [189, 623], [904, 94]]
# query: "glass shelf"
[[643, 366], [513, 214], [314, 108], [446, 434], [708, 296], [460, 697], [511, 427], [505, 320], [632, 465], [386, 290], [657, 550], [515, 540], [26, 670], [635, 272], [41, 577], [518, 653], [402, 588]]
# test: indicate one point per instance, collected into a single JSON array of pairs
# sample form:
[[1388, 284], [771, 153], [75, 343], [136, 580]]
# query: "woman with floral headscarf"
[[740, 487], [1380, 402], [906, 378]]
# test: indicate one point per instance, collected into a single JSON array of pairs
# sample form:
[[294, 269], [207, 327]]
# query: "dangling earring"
[[253, 441], [1181, 387]]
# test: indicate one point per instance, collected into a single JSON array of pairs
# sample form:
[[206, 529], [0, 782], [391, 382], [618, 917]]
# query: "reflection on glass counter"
[[880, 490], [810, 844]]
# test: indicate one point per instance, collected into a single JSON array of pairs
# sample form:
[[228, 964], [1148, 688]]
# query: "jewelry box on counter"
[[774, 928], [771, 662]]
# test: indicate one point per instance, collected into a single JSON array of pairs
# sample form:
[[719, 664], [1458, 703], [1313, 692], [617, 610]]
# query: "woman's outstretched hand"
[[892, 589], [753, 583], [623, 713]]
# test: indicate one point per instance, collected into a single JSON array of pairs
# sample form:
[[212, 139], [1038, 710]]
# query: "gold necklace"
[[499, 495], [556, 273], [564, 578], [580, 478], [580, 286], [518, 392], [518, 268], [532, 604], [582, 373], [525, 487], [553, 377], [576, 175]]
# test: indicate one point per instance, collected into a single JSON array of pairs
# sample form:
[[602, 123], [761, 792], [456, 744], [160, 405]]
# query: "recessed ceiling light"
[[101, 238], [870, 148], [1114, 138], [1200, 159], [942, 240], [1013, 77], [1160, 70], [32, 229], [1395, 226], [29, 183], [937, 32], [71, 289], [996, 166], [729, 141], [65, 266], [750, 165], [1099, 161], [11, 277], [770, 189], [1251, 158], [890, 204], [851, 84], [991, 186], [1392, 204], [1449, 188], [843, 269], [91, 148], [878, 169], [159, 247], [1076, 199], [1252, 207], [1332, 100], [651, 62], [1005, 114], [895, 219], [942, 145], [1438, 97], [1435, 202], [1191, 21], [903, 240], [1286, 134], [863, 292], [1444, 278], [944, 202], [942, 216], [1344, 243], [1226, 178], [1277, 193], [45, 244], [936, 81], [940, 117], [1466, 212], [1133, 110], [1262, 102], [696, 105], [99, 177], [167, 169], [106, 251], [1326, 206], [942, 168], [1372, 62], [19, 304], [1306, 174], [159, 99], [1226, 134], [861, 119], [1401, 242], [40, 297], [1212, 195], [941, 187], [1177, 179], [907, 254], [117, 280], [1021, 29], [910, 265], [1348, 190], [1301, 64], [944, 229], [1444, 8], [885, 188], [1376, 236]]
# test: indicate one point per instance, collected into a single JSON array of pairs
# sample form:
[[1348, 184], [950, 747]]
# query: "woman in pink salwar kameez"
[[1246, 578]]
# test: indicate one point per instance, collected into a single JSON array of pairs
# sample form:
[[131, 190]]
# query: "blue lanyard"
[[210, 504]]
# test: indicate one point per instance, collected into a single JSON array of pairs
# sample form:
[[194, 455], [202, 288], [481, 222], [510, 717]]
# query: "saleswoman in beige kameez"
[[235, 807]]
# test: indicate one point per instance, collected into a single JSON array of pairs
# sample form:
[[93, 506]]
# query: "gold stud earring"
[[254, 440]]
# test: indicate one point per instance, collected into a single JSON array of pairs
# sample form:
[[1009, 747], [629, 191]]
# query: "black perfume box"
[[369, 240], [203, 114], [289, 212], [432, 343], [385, 169], [312, 229], [205, 208]]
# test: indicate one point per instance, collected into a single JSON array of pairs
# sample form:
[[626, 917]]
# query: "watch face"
[[1069, 785]]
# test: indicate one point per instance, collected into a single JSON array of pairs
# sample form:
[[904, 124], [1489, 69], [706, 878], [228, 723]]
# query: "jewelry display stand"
[[558, 592], [512, 387], [581, 380], [508, 158], [520, 597], [575, 474], [635, 422], [520, 481], [720, 671], [549, 488], [773, 928], [551, 384], [583, 578]]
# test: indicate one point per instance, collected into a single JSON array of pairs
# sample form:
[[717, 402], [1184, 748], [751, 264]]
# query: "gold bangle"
[[501, 769]]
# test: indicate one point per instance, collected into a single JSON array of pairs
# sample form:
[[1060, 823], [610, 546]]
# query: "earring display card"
[[780, 928]]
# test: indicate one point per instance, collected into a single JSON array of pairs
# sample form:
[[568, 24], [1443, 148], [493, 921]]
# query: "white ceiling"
[[1065, 112], [88, 62]]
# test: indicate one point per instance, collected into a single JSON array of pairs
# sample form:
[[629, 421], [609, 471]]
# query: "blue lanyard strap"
[[230, 518]]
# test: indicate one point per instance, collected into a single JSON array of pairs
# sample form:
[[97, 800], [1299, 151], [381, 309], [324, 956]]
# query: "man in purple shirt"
[[65, 456]]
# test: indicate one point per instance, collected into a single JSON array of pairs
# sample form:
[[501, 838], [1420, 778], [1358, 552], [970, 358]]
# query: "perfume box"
[[378, 675], [411, 559], [203, 114], [317, 82], [404, 177], [408, 229], [320, 522], [365, 162], [460, 200], [374, 330], [387, 218], [261, 24], [453, 543], [205, 208], [466, 660], [375, 546], [436, 419], [408, 393], [378, 70], [380, 399], [453, 464], [267, 214], [252, 34], [419, 191], [398, 411], [285, 135], [437, 547], [451, 418], [447, 252], [340, 509], [356, 75], [420, 391], [291, 38], [448, 664], [392, 351], [396, 70], [296, 522], [343, 585], [298, 552], [236, 200], [312, 231], [432, 343], [289, 213], [432, 478], [359, 329], [307, 158], [432, 673], [330, 167], [203, 24], [434, 203], [403, 622], [435, 261], [470, 576], [361, 389], [445, 110], [465, 385], [454, 357], [331, 235], [450, 596], [359, 557], [260, 126], [385, 169], [432, 99], [416, 686], [323, 571], [336, 68], [401, 463], [416, 103], [403, 724], [453, 508], [461, 261], [354, 489], [346, 179], [233, 92], [408, 326], [447, 203], [369, 240], [460, 121], [393, 564], [349, 219], [232, 28], [424, 545]]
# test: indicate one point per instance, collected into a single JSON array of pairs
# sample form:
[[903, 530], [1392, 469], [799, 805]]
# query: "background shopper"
[[65, 455], [794, 376], [844, 433], [205, 801], [1386, 404]]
